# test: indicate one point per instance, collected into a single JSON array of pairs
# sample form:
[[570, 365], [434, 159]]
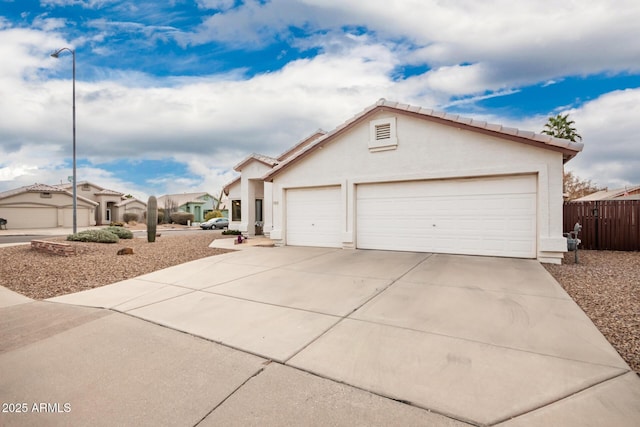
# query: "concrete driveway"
[[452, 338]]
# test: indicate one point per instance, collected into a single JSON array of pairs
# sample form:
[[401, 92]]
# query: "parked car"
[[215, 223]]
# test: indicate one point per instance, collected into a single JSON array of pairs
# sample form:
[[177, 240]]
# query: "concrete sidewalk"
[[320, 336]]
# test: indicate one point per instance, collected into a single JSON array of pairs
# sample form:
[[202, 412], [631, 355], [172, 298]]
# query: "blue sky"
[[171, 95]]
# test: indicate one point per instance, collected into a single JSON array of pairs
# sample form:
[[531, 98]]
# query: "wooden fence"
[[606, 224]]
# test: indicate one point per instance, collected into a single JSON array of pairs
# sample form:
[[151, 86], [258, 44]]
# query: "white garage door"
[[495, 216], [30, 217], [82, 216], [313, 217]]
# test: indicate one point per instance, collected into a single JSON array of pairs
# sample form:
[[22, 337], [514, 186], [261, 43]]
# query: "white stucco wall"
[[426, 150], [248, 189]]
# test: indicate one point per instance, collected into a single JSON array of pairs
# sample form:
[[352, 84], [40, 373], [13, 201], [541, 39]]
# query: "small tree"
[[170, 207], [561, 127], [575, 187], [212, 214]]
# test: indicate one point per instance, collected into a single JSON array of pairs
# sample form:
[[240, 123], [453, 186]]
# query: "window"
[[236, 210], [382, 135], [259, 210]]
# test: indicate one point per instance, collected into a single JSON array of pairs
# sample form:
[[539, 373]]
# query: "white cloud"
[[475, 50], [87, 4], [216, 4], [207, 123], [509, 43], [611, 134]]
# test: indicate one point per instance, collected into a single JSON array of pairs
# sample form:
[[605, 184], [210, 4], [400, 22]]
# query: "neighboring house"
[[199, 204], [45, 206], [130, 205], [627, 193], [404, 178], [112, 205]]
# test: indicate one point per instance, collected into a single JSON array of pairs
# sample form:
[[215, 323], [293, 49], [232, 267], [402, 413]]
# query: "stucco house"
[[405, 178], [199, 204], [112, 205], [45, 206], [48, 206]]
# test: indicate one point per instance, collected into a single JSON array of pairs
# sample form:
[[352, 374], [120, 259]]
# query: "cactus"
[[152, 219]]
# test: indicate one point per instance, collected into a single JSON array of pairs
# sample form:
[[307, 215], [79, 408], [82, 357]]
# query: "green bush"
[[121, 232], [232, 232], [181, 217], [212, 214], [96, 236], [160, 215], [130, 216]]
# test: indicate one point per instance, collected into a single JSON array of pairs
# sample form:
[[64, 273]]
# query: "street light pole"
[[56, 54]]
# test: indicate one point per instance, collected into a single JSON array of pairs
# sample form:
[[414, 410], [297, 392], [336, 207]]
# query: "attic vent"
[[383, 131], [382, 135], [85, 187], [45, 195]]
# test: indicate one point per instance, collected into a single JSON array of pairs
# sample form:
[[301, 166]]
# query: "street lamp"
[[56, 54]]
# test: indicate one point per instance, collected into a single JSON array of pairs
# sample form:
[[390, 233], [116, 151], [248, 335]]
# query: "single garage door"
[[313, 217], [82, 216], [488, 216]]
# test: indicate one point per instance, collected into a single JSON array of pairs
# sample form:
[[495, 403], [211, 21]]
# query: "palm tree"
[[561, 127]]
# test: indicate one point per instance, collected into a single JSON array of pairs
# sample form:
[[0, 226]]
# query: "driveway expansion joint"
[[560, 399]]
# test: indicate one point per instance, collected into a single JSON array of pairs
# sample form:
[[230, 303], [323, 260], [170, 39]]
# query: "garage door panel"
[[313, 217], [495, 216], [31, 217]]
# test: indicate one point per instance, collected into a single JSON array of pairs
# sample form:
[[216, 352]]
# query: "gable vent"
[[383, 131]]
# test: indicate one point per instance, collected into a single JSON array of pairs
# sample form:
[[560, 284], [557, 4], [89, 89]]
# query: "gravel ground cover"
[[41, 275], [606, 285]]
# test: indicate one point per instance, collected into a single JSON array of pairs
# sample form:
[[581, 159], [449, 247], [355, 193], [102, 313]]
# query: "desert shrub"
[[212, 214], [160, 215], [181, 217], [116, 224], [130, 216], [96, 236], [121, 232], [232, 232]]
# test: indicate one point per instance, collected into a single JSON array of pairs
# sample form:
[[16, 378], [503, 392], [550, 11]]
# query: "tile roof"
[[101, 190], [34, 188], [609, 194], [130, 200], [568, 148], [42, 188], [106, 192], [184, 198], [269, 161], [300, 145]]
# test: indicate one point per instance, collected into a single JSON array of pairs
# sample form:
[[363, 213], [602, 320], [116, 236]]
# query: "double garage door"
[[489, 216]]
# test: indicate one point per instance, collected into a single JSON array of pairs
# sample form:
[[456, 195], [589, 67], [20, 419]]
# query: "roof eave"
[[568, 148]]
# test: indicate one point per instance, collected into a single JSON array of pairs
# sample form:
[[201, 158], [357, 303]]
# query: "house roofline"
[[266, 160], [568, 148]]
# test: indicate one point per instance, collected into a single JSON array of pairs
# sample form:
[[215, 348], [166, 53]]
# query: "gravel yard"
[[40, 275], [606, 285]]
